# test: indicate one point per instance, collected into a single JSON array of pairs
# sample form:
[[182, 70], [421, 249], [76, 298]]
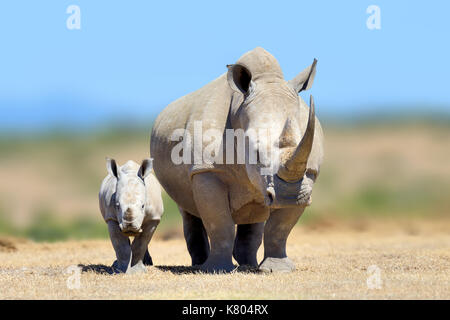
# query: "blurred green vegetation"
[[373, 170], [49, 226]]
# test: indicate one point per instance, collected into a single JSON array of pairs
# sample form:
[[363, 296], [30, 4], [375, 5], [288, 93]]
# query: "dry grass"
[[332, 263]]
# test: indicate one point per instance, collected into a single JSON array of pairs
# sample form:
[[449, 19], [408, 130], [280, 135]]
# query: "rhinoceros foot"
[[217, 266], [119, 267], [137, 268], [277, 265], [124, 268]]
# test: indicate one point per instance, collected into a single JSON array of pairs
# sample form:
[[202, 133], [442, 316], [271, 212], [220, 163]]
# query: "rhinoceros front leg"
[[248, 240], [121, 245], [139, 247], [276, 232], [211, 199], [196, 238]]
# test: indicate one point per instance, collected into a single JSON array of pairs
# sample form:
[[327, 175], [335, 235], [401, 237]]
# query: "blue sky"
[[131, 58]]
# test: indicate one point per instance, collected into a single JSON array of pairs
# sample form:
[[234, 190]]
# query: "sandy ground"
[[384, 262]]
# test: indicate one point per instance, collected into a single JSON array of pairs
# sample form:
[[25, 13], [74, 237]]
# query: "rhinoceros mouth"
[[132, 233], [282, 194]]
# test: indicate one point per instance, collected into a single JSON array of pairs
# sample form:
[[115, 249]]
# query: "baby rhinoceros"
[[131, 204]]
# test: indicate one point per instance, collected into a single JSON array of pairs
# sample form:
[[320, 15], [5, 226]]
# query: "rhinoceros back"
[[210, 105]]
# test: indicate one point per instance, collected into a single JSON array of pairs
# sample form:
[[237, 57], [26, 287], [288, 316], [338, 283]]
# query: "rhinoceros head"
[[130, 196], [287, 164]]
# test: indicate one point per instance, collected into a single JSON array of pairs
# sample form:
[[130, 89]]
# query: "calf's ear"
[[304, 80], [239, 78], [146, 168], [111, 166]]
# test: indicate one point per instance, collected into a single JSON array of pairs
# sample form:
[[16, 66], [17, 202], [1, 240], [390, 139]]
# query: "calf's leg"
[[139, 247], [121, 245], [148, 259]]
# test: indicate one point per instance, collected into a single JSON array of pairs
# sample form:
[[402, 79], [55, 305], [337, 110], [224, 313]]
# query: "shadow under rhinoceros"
[[179, 270], [98, 268], [103, 269]]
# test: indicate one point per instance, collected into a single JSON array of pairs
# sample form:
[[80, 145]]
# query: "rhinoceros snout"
[[130, 227], [282, 194]]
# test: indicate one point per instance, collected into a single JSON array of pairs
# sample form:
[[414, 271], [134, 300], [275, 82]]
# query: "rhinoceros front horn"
[[294, 169]]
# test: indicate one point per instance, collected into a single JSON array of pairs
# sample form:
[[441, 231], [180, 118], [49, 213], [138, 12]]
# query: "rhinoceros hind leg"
[[196, 238], [247, 242], [276, 232], [211, 199], [148, 259]]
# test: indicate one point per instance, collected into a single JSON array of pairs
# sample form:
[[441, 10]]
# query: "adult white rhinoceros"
[[266, 196]]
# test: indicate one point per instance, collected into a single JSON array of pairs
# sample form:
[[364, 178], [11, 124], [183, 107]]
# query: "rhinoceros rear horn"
[[239, 77], [295, 167]]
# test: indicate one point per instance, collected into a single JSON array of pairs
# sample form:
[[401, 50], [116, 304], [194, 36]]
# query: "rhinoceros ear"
[[111, 166], [304, 80], [239, 77], [146, 168]]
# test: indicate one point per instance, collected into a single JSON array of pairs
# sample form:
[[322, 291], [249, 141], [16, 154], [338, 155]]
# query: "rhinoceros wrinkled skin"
[[131, 204], [214, 197]]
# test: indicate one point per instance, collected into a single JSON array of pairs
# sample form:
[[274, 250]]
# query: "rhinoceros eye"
[[143, 206], [312, 174]]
